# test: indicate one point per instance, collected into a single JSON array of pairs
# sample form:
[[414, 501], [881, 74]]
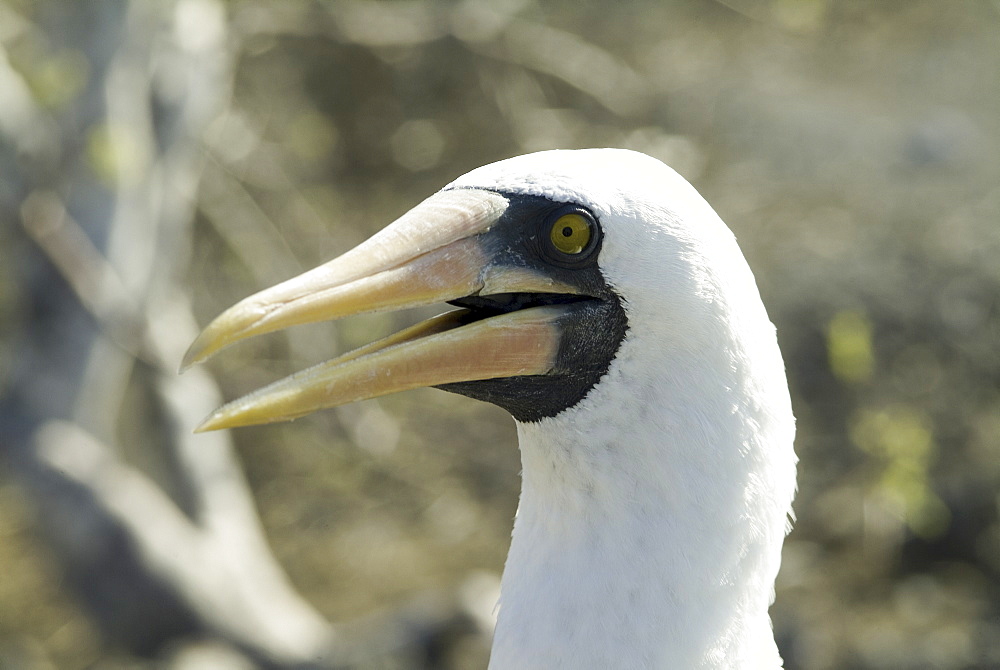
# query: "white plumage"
[[652, 513], [653, 506]]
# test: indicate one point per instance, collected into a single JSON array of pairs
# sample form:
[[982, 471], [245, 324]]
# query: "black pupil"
[[567, 231]]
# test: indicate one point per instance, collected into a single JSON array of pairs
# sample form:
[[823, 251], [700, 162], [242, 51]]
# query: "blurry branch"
[[755, 10], [247, 230], [174, 553], [191, 579], [590, 70], [374, 24], [251, 235], [86, 271], [218, 562], [149, 566], [790, 17], [493, 30]]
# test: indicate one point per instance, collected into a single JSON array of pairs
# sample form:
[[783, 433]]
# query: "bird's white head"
[[663, 495], [610, 310]]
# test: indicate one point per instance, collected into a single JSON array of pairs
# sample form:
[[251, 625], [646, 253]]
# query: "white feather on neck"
[[652, 513]]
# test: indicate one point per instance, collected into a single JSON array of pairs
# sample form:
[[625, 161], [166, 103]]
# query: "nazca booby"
[[608, 308]]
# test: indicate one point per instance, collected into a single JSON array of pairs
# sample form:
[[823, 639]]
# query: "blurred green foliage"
[[849, 341]]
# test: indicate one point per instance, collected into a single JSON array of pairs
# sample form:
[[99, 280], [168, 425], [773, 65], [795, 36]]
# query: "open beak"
[[434, 253]]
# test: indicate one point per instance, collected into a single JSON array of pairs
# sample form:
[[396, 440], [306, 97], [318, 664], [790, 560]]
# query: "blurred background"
[[161, 159]]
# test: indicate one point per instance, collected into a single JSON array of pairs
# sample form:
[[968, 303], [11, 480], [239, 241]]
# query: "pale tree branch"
[[150, 566], [493, 30], [155, 528]]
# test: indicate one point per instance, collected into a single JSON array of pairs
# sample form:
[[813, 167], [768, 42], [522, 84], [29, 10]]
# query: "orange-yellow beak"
[[434, 253]]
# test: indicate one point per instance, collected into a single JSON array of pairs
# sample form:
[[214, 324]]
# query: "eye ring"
[[570, 235]]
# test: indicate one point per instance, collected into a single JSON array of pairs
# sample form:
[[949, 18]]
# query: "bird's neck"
[[649, 535]]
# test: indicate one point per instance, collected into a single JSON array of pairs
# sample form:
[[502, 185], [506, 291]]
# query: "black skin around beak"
[[538, 329]]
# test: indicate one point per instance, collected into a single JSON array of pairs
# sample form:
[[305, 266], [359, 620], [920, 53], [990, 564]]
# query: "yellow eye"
[[570, 233]]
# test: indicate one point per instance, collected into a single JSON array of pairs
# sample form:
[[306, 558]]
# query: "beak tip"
[[196, 353], [212, 422], [185, 365]]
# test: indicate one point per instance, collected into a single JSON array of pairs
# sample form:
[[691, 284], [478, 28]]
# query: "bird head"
[[550, 258]]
